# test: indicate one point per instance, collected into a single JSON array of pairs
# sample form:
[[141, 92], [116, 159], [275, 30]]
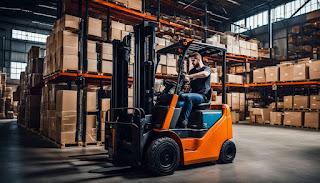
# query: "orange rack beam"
[[218, 85], [288, 83], [69, 75], [137, 14]]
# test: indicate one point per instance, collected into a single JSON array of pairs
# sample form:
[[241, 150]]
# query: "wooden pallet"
[[313, 128], [95, 38], [92, 72], [95, 144], [274, 124], [292, 126], [104, 74]]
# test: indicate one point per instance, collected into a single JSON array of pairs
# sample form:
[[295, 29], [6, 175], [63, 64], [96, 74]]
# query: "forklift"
[[146, 135]]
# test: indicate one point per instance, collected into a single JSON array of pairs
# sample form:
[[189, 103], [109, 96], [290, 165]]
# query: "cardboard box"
[[66, 121], [124, 34], [311, 120], [292, 118], [106, 67], [107, 51], [242, 102], [286, 72], [235, 101], [66, 100], [91, 101], [235, 117], [262, 115], [118, 25], [92, 65], [161, 41], [69, 22], [300, 72], [130, 92], [229, 99], [252, 117], [51, 120], [217, 101], [276, 118], [288, 102], [65, 62], [92, 50], [67, 39], [168, 70], [130, 102], [116, 34], [314, 69], [171, 60], [214, 78], [163, 60], [105, 104], [272, 74], [66, 137], [95, 27], [91, 133], [259, 76], [131, 69], [135, 4], [300, 102], [129, 28], [314, 101], [237, 79]]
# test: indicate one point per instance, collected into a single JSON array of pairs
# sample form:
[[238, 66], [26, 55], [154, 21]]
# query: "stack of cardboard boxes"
[[305, 111], [236, 102], [6, 98], [34, 68], [22, 102], [63, 43], [167, 64], [118, 32], [30, 89], [260, 115], [239, 46], [132, 4], [59, 114], [288, 72]]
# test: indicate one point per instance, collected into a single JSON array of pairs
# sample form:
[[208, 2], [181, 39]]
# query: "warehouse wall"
[[280, 33], [14, 50]]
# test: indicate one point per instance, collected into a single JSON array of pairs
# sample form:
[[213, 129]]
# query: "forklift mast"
[[121, 58], [145, 66]]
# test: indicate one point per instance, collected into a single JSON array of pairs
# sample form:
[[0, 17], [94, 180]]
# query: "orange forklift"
[[146, 134]]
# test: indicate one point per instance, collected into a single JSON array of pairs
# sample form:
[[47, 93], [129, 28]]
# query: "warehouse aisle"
[[268, 154]]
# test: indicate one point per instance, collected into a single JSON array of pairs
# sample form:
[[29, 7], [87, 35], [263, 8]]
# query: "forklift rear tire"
[[227, 152], [163, 157]]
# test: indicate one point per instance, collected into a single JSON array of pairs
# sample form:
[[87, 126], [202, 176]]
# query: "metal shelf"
[[287, 83], [136, 14], [62, 76]]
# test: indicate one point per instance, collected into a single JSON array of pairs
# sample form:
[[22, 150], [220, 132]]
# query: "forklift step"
[[190, 133]]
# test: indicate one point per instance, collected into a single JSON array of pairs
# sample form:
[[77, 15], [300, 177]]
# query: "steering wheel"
[[169, 83]]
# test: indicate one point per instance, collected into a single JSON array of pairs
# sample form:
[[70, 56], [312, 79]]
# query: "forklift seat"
[[206, 104]]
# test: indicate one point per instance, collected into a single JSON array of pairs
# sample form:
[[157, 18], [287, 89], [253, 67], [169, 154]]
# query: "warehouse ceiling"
[[37, 11], [220, 11]]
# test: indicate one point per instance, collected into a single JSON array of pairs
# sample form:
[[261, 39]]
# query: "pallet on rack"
[[93, 144], [292, 126]]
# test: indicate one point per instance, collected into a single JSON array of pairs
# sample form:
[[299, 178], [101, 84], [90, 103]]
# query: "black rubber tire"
[[227, 152], [162, 157]]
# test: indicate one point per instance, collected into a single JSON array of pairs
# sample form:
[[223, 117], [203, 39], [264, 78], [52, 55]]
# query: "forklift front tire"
[[227, 152], [163, 156]]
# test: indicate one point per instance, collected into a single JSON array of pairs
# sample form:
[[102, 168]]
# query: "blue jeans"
[[186, 101]]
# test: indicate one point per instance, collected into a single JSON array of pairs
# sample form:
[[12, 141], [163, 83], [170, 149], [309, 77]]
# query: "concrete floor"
[[264, 154]]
